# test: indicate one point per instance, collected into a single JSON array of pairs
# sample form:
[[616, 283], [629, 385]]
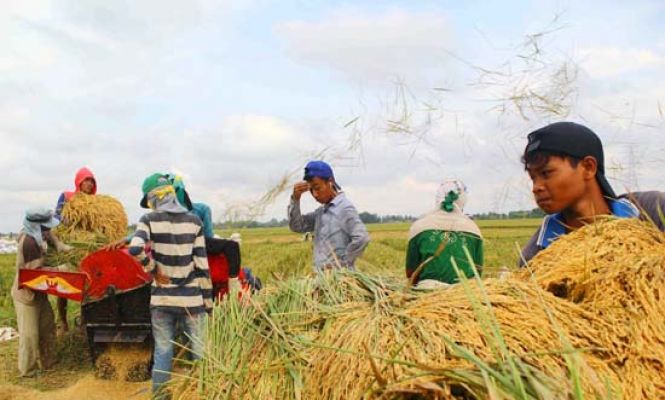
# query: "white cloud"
[[366, 47], [266, 135], [132, 91], [234, 162], [607, 62]]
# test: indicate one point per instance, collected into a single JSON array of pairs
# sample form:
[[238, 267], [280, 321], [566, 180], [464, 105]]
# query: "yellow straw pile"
[[589, 323], [348, 337], [88, 223], [615, 269], [100, 215], [535, 326]]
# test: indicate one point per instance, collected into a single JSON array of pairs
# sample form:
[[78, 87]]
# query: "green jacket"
[[425, 245]]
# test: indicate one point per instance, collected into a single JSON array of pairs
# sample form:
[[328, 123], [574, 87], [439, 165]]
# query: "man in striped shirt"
[[181, 288]]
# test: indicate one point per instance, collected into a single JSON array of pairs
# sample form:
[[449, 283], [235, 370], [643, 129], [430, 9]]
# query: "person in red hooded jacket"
[[84, 182]]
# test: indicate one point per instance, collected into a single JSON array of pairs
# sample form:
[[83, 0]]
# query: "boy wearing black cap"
[[340, 237], [566, 164]]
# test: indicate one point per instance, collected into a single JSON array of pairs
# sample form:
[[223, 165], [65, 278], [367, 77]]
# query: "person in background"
[[441, 236], [215, 245], [84, 182], [565, 162], [248, 281], [201, 210], [34, 315], [340, 237]]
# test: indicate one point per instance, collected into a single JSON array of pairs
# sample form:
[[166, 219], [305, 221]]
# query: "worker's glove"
[[234, 286]]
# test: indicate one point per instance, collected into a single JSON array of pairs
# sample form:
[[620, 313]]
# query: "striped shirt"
[[178, 251]]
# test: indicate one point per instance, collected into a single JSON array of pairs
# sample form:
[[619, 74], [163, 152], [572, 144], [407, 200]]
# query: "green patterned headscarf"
[[448, 204], [451, 195]]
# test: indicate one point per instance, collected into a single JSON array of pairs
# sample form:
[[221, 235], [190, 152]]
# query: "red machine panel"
[[112, 268]]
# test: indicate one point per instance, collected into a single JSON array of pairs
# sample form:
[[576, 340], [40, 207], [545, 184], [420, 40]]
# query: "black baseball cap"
[[575, 140]]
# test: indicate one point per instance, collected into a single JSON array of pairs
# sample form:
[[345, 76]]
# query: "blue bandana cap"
[[319, 169], [42, 217], [35, 219]]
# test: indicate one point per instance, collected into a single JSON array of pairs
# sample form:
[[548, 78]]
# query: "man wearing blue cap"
[[340, 237], [565, 162]]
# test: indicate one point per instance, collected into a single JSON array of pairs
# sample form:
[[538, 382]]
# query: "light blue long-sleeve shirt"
[[340, 237]]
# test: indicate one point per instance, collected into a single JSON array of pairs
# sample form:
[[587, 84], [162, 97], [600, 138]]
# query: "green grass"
[[7, 266]]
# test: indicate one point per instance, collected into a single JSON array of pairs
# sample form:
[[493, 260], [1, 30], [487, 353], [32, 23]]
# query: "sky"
[[398, 96]]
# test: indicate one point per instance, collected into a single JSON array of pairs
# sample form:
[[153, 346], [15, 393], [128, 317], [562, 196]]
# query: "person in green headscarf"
[[441, 236]]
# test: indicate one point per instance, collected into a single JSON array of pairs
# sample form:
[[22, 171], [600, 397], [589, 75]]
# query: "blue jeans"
[[164, 332]]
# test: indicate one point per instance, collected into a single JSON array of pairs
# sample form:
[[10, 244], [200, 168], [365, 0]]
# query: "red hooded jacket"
[[81, 175]]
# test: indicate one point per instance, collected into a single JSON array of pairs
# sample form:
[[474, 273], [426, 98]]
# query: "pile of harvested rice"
[[615, 269], [128, 362], [586, 318], [89, 222], [353, 336], [88, 388], [99, 214], [590, 322]]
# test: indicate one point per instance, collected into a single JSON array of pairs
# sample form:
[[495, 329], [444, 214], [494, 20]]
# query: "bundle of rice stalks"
[[99, 214], [89, 222], [615, 269], [349, 335], [86, 243]]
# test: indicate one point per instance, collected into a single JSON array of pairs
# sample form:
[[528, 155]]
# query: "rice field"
[[269, 252]]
